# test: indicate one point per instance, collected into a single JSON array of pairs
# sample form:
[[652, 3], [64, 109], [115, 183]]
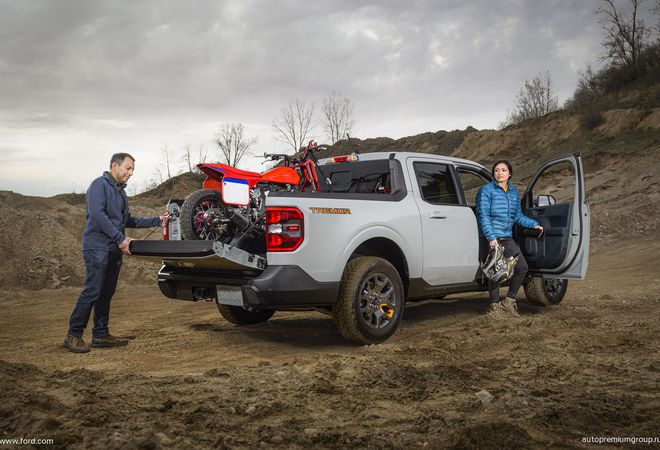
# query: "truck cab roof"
[[402, 156]]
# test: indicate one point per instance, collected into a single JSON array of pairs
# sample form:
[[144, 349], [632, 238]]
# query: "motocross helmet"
[[498, 267]]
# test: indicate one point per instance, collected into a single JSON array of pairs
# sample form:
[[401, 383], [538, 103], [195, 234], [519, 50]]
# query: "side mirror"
[[545, 200]]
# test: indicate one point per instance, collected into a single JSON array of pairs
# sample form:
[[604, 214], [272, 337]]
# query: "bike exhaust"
[[238, 219]]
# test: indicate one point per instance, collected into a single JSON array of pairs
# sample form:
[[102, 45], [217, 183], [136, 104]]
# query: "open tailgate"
[[199, 254]]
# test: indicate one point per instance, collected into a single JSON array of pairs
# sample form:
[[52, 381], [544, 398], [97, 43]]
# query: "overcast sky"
[[82, 79]]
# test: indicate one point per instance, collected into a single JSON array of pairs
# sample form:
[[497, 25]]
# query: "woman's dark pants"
[[510, 249], [102, 272]]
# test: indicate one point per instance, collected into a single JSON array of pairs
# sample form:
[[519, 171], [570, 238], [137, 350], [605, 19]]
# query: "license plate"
[[230, 295], [235, 191]]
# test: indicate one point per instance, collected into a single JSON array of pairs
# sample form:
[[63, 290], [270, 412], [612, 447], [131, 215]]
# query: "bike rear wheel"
[[203, 217]]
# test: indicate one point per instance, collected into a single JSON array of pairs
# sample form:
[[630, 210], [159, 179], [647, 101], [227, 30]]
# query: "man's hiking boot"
[[496, 311], [108, 341], [510, 307], [75, 344]]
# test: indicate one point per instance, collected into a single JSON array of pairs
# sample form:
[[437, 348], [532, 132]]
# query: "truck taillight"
[[341, 159], [284, 229]]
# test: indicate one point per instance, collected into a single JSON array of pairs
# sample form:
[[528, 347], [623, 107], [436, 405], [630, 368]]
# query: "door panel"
[[550, 251], [449, 229], [563, 250]]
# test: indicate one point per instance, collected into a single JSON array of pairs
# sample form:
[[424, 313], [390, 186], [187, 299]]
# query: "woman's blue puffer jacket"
[[497, 211]]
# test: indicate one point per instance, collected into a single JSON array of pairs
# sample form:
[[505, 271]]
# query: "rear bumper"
[[276, 287]]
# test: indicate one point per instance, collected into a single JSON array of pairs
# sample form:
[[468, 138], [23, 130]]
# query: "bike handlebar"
[[289, 158], [277, 156]]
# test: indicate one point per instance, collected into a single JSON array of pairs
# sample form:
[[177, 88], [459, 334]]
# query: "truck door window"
[[435, 183], [557, 181], [471, 182]]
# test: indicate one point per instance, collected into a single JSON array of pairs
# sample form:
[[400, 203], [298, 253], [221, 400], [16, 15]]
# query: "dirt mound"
[[617, 121], [176, 187], [71, 199], [621, 159], [440, 143], [652, 119], [40, 242]]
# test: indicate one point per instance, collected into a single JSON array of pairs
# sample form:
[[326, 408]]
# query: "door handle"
[[437, 215]]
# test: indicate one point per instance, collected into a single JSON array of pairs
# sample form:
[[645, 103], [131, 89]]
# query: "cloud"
[[73, 73]]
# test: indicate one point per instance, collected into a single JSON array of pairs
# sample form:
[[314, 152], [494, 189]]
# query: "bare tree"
[[625, 35], [535, 99], [202, 155], [191, 159], [294, 124], [337, 116], [165, 151], [233, 145], [187, 158], [158, 176], [589, 88]]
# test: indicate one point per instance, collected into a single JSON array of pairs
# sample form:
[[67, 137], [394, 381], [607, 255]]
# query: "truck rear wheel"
[[241, 316], [545, 291], [370, 303]]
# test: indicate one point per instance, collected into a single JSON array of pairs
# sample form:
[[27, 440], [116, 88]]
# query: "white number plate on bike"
[[230, 295], [235, 191]]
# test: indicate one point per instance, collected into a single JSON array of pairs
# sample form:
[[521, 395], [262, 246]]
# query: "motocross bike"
[[232, 204]]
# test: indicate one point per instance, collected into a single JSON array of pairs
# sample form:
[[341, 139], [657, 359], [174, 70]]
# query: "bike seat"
[[232, 172]]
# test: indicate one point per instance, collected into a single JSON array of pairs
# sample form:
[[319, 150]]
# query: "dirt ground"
[[588, 367]]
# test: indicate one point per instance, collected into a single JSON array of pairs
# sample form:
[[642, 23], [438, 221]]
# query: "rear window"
[[366, 177], [435, 183]]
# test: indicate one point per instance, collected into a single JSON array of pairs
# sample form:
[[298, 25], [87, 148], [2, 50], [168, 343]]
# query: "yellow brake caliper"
[[387, 310]]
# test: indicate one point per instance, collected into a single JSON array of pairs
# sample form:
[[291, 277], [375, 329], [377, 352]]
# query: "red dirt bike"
[[232, 203]]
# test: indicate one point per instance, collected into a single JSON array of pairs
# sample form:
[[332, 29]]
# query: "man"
[[103, 244]]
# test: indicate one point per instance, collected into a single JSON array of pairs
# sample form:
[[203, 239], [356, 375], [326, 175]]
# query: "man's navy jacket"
[[108, 215]]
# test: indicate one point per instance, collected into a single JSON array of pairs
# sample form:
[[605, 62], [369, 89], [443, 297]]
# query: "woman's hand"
[[493, 243], [540, 228]]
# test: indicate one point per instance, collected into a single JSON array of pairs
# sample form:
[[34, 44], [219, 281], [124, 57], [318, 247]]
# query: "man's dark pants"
[[102, 272]]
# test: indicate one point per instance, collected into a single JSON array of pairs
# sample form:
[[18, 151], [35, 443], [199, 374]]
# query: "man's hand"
[[124, 246], [540, 228], [165, 218], [493, 243]]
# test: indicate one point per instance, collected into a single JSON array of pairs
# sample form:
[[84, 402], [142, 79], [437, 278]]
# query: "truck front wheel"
[[545, 291], [241, 316], [370, 303]]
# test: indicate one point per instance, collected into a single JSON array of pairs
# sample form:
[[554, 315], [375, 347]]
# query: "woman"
[[498, 209]]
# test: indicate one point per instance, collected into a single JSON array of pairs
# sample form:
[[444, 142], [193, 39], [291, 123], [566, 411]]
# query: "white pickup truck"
[[396, 227]]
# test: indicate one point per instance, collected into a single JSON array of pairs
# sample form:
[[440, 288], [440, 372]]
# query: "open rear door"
[[556, 198]]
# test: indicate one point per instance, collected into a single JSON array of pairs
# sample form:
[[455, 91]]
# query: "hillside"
[[449, 378], [621, 156], [41, 239]]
